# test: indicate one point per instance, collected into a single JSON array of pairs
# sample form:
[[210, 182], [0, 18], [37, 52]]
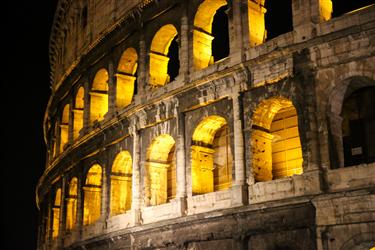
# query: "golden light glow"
[[78, 112], [161, 169], [92, 195], [99, 96], [64, 128], [202, 38], [121, 183], [257, 27], [71, 204], [325, 9], [125, 77], [158, 55], [276, 146], [211, 156], [56, 214]]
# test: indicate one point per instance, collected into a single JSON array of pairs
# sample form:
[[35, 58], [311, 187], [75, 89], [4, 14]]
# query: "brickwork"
[[313, 68]]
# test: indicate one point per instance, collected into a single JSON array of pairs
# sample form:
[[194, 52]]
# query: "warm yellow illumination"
[[92, 195], [211, 156], [276, 146], [161, 170], [257, 27], [71, 205], [325, 9], [121, 183], [56, 214], [64, 128], [158, 55], [202, 38], [125, 77], [99, 96], [78, 113]]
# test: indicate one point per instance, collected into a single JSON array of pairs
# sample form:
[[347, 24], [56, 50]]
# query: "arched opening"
[[211, 33], [121, 183], [56, 214], [275, 142], [71, 204], [78, 112], [99, 96], [358, 127], [274, 25], [92, 195], [64, 128], [126, 77], [161, 69], [211, 162], [341, 7], [161, 169]]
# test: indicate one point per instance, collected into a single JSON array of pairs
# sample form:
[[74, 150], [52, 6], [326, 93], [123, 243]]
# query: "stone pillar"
[[71, 121], [104, 195], [79, 222], [235, 31], [86, 110], [184, 43], [62, 212], [180, 157], [136, 199], [142, 66], [238, 142], [302, 20], [111, 90]]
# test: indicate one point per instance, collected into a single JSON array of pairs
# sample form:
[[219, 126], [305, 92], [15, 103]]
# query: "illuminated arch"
[[202, 36], [125, 76], [121, 183], [99, 96], [78, 112], [275, 142], [71, 204], [64, 128], [211, 156], [92, 195], [56, 214], [161, 164], [159, 55]]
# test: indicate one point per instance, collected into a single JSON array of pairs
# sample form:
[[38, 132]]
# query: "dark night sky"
[[25, 91]]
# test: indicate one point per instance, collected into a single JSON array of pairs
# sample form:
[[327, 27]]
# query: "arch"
[[275, 142], [56, 214], [99, 96], [64, 127], [121, 183], [161, 169], [202, 36], [343, 90], [211, 156], [126, 77], [92, 195], [71, 204], [159, 59], [78, 112]]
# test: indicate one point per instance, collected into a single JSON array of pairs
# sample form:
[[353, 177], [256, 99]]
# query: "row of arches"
[[276, 153], [210, 44]]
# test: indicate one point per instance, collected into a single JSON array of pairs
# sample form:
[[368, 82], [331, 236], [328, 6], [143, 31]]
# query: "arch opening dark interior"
[[341, 7], [358, 127], [220, 32], [278, 18], [174, 61]]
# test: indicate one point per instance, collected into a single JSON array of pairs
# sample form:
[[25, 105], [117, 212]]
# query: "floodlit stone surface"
[[271, 147]]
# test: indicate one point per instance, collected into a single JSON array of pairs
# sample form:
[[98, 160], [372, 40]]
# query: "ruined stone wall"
[[314, 67]]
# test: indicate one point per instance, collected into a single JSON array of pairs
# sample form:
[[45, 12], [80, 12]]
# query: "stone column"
[[180, 156], [111, 91], [142, 67], [238, 141], [62, 212], [86, 110], [79, 222], [136, 202], [184, 43]]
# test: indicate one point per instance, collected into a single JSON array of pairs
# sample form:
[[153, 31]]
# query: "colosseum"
[[210, 124]]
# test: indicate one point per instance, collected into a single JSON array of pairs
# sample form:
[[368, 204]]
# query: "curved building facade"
[[210, 124]]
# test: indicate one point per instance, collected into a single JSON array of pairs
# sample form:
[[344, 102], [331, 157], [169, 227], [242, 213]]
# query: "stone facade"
[[197, 176]]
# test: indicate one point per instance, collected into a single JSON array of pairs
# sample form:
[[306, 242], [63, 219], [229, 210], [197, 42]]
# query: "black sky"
[[25, 91]]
